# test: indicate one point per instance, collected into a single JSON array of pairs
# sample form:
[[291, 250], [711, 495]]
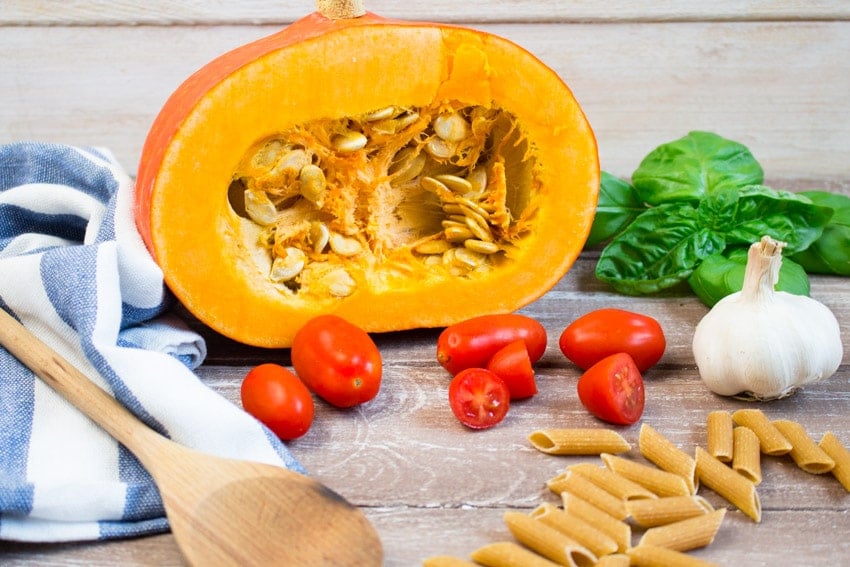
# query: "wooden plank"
[[162, 12], [778, 87]]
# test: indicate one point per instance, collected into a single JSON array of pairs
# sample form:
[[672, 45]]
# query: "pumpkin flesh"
[[218, 255]]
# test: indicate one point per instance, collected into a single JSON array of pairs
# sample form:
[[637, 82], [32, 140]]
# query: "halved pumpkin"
[[397, 174]]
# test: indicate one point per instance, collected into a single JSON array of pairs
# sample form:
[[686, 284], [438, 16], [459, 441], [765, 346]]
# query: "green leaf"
[[694, 166], [618, 206], [722, 274], [659, 249], [785, 216], [829, 254]]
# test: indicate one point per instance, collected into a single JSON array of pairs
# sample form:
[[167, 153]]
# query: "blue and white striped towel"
[[74, 270]]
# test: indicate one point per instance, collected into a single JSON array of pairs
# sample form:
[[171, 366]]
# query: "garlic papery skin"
[[764, 344]]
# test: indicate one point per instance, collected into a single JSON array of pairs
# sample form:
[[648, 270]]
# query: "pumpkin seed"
[[457, 233], [432, 247], [451, 127], [344, 245], [259, 207], [435, 186], [285, 268], [470, 205], [380, 114], [312, 183], [291, 163], [480, 232], [467, 258], [349, 142], [339, 283], [478, 180], [481, 246], [318, 236], [440, 149], [455, 183], [407, 167], [406, 120]]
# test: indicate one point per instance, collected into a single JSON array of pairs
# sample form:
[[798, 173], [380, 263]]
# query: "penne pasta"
[[575, 483], [547, 541], [653, 556], [651, 513], [719, 435], [655, 480], [805, 452], [597, 541], [447, 561], [618, 530], [736, 489], [685, 535], [508, 554], [614, 560], [771, 440], [840, 455], [746, 454], [578, 441], [612, 482], [665, 455]]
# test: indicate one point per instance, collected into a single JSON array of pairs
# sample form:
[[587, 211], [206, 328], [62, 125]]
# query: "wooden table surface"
[[776, 79]]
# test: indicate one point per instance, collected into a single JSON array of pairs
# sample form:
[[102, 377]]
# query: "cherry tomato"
[[471, 343], [604, 332], [277, 398], [612, 390], [479, 398], [513, 365], [337, 360]]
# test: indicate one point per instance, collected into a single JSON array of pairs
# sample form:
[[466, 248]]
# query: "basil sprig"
[[701, 194]]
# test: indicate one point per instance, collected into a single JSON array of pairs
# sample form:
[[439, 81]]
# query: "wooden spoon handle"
[[68, 381]]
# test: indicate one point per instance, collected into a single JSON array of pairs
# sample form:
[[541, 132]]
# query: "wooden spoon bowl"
[[222, 512]]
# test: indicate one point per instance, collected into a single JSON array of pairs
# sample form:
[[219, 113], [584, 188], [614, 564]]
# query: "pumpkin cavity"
[[351, 201]]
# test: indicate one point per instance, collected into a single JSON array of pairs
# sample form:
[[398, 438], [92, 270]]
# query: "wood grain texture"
[[773, 75]]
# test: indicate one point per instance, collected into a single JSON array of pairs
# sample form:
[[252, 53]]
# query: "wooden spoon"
[[221, 511]]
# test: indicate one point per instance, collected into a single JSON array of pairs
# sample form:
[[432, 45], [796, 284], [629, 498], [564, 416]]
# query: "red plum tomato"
[[471, 343], [513, 365], [613, 390], [278, 399], [337, 360], [604, 332], [479, 398]]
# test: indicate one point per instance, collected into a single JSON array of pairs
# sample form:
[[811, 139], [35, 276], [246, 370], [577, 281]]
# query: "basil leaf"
[[659, 249], [618, 205], [722, 274], [694, 166], [829, 254], [783, 215]]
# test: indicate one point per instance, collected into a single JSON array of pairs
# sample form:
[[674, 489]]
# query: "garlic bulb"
[[764, 344]]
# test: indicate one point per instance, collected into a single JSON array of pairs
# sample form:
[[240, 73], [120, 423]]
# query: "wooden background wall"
[[773, 74]]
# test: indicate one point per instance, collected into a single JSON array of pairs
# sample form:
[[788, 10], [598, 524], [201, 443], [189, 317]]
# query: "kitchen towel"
[[75, 272]]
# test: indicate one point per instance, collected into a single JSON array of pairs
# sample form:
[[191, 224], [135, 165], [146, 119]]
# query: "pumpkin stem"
[[341, 9]]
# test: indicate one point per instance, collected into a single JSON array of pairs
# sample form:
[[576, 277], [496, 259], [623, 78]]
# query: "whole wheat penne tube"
[[575, 483], [508, 554], [597, 541], [719, 438], [651, 513], [736, 489], [840, 455], [547, 541], [804, 451], [447, 561], [653, 556], [685, 535], [655, 480], [771, 440], [665, 455], [746, 454], [612, 482], [614, 560], [618, 530], [578, 441]]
